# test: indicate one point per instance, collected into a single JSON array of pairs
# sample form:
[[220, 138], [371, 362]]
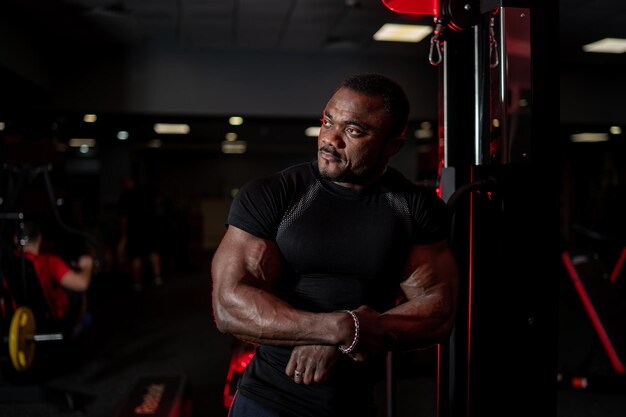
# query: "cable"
[[69, 229]]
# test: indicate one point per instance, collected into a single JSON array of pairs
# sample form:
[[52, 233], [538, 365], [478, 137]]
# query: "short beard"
[[342, 177], [346, 177]]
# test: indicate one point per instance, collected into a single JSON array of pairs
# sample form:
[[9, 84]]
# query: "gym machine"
[[595, 272], [498, 99], [25, 320]]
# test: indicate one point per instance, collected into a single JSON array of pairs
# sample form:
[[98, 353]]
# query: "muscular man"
[[316, 258]]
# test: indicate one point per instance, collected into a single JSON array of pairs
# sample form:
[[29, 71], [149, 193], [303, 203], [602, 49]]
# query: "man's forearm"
[[430, 288], [258, 316], [245, 269], [419, 322]]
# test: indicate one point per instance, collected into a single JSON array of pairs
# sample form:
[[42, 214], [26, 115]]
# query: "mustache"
[[330, 150]]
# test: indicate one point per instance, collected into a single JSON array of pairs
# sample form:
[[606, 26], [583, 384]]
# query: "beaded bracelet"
[[350, 348]]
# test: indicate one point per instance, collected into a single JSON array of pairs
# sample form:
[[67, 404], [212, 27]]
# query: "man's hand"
[[311, 363]]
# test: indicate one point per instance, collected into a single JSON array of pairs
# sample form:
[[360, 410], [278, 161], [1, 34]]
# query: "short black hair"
[[395, 101]]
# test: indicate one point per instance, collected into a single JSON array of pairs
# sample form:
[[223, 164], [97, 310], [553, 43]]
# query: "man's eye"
[[354, 132], [325, 122]]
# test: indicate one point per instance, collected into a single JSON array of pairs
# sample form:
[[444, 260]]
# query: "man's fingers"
[[320, 375], [308, 375], [309, 364], [291, 366]]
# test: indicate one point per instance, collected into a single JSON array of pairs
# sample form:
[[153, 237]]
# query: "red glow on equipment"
[[579, 382], [618, 266], [593, 315], [426, 7], [239, 360]]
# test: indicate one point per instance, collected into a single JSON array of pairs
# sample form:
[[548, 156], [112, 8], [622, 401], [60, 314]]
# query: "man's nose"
[[332, 136]]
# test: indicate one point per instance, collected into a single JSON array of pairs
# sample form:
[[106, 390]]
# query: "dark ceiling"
[[288, 25], [58, 29], [263, 36], [244, 25]]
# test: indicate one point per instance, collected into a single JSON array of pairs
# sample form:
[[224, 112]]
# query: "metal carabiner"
[[494, 56], [435, 49], [435, 56]]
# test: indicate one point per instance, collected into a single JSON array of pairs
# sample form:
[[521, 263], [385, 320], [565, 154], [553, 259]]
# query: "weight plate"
[[21, 338]]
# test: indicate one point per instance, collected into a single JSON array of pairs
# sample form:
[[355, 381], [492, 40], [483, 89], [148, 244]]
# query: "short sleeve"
[[56, 267], [258, 206], [431, 218]]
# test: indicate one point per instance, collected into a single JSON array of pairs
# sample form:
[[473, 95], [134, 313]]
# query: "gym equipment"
[[24, 305], [25, 174], [241, 356], [457, 15], [495, 103], [160, 395], [18, 280], [604, 305], [22, 338]]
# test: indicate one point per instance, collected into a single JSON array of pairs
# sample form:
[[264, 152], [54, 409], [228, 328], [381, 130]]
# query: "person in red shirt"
[[56, 276]]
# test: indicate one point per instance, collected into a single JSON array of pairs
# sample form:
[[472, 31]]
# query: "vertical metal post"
[[391, 386]]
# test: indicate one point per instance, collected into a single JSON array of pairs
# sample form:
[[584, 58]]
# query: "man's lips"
[[330, 154]]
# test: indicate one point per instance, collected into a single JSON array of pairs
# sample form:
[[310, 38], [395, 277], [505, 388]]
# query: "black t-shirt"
[[341, 249]]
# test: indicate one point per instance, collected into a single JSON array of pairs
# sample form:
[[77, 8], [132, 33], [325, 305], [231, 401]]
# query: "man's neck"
[[358, 187]]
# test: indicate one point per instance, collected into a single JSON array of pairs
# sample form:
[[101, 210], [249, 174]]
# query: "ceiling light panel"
[[235, 120], [80, 142], [392, 32], [312, 132], [589, 137], [607, 46], [171, 128], [236, 147]]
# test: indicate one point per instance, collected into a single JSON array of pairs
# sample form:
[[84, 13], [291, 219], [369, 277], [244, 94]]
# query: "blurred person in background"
[[140, 231], [64, 286]]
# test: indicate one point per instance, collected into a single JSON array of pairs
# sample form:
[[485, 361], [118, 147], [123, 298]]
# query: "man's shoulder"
[[395, 181]]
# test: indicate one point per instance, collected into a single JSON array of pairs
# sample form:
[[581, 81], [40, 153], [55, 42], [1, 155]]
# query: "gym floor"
[[168, 330]]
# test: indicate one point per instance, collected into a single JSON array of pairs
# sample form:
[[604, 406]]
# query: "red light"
[[426, 7], [579, 382], [618, 266], [239, 360], [593, 314]]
